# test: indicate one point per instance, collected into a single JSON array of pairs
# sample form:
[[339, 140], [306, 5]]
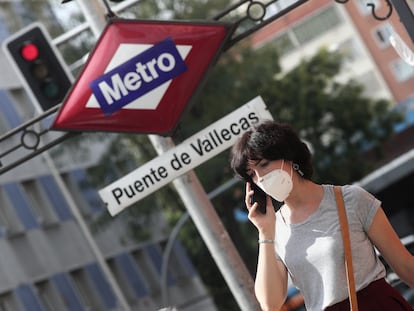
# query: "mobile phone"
[[258, 196]]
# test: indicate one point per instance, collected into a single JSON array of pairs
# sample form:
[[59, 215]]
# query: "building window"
[[39, 203], [401, 70], [122, 279], [28, 298], [89, 296], [284, 4], [350, 50], [67, 291], [50, 298], [101, 285], [8, 302], [89, 193], [3, 125], [284, 43], [8, 110], [9, 222], [179, 264], [55, 197], [127, 269], [148, 271], [20, 203], [318, 24], [364, 9], [76, 190], [370, 82], [382, 35]]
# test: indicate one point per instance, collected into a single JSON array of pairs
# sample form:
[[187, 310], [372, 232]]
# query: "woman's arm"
[[271, 274], [271, 279], [382, 234]]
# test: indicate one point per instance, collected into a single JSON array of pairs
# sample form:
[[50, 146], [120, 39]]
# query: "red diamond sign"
[[141, 76]]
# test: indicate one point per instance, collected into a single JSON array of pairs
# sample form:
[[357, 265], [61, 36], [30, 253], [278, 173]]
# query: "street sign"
[[141, 76], [184, 157]]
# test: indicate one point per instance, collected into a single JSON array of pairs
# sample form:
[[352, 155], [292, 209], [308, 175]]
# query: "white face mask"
[[278, 184]]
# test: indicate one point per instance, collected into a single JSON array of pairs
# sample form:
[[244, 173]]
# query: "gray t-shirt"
[[313, 250]]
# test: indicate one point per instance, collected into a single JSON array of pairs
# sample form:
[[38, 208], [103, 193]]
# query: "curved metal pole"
[[173, 236], [166, 257]]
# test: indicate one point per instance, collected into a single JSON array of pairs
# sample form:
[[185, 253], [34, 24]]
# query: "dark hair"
[[271, 141]]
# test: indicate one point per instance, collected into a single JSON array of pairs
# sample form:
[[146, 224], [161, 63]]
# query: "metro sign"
[[141, 76]]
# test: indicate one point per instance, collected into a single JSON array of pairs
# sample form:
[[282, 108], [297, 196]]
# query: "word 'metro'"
[[138, 76]]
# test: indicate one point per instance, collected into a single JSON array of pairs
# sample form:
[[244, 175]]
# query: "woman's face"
[[257, 169]]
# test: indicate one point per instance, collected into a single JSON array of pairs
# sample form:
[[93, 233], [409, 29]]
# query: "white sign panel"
[[184, 157]]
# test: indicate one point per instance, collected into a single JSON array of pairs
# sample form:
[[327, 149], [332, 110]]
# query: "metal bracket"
[[28, 140], [251, 15], [372, 6]]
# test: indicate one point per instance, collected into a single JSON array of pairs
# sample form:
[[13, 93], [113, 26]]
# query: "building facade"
[[351, 29], [370, 59], [52, 258]]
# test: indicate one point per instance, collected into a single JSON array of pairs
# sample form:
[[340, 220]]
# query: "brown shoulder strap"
[[347, 248]]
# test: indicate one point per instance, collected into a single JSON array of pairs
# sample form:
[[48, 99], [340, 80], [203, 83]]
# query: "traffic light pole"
[[86, 232], [30, 51], [198, 205]]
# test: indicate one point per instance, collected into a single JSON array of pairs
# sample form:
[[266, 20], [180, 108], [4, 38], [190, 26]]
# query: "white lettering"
[[170, 62], [113, 93], [151, 68], [141, 71], [133, 80]]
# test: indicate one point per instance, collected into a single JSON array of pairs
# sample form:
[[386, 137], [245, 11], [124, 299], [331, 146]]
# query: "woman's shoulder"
[[357, 196], [356, 191], [347, 190], [353, 193]]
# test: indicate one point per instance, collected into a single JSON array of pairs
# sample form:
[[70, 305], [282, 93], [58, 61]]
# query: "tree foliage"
[[337, 120], [180, 9]]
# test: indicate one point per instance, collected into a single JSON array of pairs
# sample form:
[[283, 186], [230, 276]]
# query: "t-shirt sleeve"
[[365, 205]]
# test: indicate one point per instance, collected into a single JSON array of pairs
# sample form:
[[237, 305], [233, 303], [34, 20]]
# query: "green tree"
[[179, 9], [340, 123], [335, 118]]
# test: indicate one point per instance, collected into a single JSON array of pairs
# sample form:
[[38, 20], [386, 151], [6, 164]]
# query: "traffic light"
[[39, 65]]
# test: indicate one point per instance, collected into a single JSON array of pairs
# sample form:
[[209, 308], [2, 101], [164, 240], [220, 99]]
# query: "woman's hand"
[[265, 223], [271, 275]]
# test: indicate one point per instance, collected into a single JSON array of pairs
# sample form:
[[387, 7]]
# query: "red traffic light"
[[29, 51], [43, 74]]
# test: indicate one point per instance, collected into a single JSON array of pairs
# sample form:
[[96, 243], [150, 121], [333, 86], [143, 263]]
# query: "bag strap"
[[347, 248]]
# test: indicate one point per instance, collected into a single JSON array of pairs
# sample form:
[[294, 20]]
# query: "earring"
[[297, 169]]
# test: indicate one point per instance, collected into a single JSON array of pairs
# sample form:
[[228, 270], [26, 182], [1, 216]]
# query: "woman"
[[303, 238]]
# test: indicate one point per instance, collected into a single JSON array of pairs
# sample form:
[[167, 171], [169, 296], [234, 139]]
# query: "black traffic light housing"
[[39, 65]]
